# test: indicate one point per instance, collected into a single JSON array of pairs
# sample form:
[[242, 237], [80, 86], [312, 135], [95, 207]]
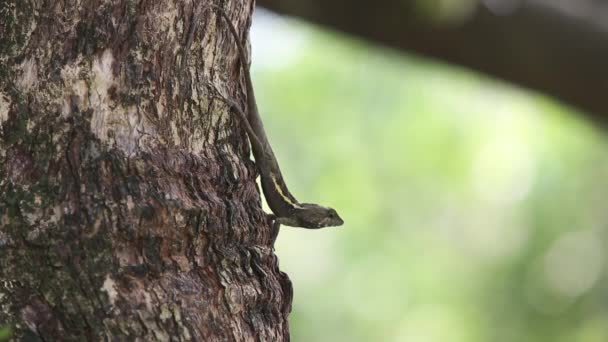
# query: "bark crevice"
[[128, 203]]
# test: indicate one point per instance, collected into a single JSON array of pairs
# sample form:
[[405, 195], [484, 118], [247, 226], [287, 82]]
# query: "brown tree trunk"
[[128, 204]]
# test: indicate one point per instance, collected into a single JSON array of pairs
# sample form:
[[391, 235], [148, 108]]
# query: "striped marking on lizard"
[[280, 192]]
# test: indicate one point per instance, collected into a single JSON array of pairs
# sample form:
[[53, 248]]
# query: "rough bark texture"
[[559, 53], [128, 204]]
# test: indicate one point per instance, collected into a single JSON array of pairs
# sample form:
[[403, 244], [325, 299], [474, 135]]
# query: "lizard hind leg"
[[243, 117]]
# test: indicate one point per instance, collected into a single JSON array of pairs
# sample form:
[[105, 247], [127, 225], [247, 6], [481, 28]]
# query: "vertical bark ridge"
[[128, 204]]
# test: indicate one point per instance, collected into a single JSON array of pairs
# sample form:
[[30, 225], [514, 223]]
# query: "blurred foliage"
[[446, 11], [5, 333], [474, 211]]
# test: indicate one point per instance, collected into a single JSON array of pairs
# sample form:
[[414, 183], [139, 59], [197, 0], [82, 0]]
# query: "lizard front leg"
[[274, 229], [276, 223]]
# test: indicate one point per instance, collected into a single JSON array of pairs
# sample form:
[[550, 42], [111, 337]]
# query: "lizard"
[[286, 208]]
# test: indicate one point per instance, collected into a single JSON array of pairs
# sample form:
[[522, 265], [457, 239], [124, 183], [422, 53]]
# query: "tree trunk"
[[128, 203]]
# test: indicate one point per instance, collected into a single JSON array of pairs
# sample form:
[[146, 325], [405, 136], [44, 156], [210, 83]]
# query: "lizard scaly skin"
[[287, 210]]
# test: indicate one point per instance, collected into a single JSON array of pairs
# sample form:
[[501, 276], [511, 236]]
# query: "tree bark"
[[128, 204]]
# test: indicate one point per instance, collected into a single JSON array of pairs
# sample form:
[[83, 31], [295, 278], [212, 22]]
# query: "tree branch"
[[537, 47]]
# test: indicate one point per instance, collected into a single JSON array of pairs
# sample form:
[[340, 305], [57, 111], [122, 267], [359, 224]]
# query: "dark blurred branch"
[[537, 47]]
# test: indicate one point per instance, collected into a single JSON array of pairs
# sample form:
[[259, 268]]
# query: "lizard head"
[[316, 216]]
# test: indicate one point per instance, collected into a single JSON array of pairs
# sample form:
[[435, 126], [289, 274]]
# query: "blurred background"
[[475, 210]]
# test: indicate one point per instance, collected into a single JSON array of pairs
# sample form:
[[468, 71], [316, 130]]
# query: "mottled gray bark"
[[128, 203]]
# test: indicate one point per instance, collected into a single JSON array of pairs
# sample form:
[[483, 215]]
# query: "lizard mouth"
[[331, 222]]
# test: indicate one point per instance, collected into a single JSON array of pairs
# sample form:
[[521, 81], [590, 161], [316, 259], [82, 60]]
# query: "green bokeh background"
[[475, 211], [5, 333]]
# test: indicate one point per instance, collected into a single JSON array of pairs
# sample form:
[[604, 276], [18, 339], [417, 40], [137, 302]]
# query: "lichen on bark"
[[128, 205]]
